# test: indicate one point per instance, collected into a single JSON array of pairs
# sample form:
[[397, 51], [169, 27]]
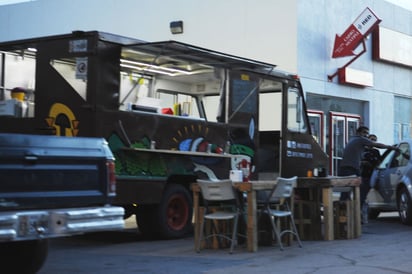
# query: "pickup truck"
[[52, 187]]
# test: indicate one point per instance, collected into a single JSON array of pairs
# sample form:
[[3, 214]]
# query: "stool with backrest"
[[277, 207], [222, 195]]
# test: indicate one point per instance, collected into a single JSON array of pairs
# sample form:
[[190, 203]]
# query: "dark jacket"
[[370, 159]]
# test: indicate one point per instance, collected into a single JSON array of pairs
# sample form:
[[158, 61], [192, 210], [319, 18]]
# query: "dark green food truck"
[[171, 113]]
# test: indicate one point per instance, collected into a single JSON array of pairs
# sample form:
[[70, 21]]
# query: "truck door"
[[300, 152]]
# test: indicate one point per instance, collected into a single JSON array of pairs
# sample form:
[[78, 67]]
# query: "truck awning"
[[187, 57]]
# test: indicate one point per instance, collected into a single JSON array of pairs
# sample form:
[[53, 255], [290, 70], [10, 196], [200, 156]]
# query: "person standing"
[[352, 154], [371, 158]]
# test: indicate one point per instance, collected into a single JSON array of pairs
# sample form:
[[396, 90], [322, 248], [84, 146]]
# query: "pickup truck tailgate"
[[53, 172]]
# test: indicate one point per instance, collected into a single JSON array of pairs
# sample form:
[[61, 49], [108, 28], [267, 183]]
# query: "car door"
[[391, 172]]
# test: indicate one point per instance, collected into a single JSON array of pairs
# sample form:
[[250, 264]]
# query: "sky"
[[6, 2], [407, 4]]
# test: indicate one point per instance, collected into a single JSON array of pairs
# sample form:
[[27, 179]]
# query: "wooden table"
[[328, 185], [325, 184], [250, 188]]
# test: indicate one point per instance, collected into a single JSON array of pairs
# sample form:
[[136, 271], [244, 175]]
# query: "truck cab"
[[171, 113]]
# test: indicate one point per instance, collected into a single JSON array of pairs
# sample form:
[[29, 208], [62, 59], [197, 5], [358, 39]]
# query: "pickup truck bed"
[[55, 186]]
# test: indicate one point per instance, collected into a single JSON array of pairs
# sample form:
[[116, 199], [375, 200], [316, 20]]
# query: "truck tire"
[[23, 257], [175, 212], [171, 219]]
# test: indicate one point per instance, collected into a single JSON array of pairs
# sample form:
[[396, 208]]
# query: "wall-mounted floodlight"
[[176, 27]]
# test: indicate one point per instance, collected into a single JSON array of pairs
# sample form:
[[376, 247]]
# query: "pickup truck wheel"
[[23, 256], [175, 212], [405, 206]]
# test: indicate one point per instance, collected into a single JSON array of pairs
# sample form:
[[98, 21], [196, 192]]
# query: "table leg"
[[327, 199], [358, 226], [252, 239], [196, 217]]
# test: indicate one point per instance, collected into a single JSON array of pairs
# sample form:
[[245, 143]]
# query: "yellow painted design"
[[57, 110]]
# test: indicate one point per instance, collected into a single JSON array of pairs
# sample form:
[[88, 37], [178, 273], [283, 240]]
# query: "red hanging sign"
[[346, 43]]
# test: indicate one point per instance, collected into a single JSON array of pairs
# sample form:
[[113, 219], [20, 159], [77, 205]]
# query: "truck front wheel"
[[23, 256], [175, 212]]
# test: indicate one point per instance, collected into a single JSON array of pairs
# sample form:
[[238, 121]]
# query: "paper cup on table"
[[236, 176]]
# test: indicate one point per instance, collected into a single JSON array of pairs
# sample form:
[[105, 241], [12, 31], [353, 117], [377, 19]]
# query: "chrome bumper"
[[41, 224]]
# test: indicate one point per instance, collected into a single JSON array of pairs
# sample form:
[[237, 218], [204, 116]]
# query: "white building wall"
[[264, 30], [318, 23]]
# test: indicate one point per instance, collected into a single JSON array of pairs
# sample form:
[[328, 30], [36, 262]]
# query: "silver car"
[[391, 184]]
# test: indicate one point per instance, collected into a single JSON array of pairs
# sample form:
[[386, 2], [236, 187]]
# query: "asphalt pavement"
[[384, 247]]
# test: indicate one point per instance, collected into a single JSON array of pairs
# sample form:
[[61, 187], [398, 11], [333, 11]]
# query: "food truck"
[[171, 113]]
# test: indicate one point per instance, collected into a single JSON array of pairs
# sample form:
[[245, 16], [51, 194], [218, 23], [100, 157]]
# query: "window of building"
[[402, 118]]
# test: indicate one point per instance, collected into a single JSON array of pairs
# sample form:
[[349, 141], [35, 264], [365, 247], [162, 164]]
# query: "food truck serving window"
[[17, 78]]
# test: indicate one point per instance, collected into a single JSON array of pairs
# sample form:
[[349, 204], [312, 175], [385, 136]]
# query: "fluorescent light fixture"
[[146, 69], [152, 68]]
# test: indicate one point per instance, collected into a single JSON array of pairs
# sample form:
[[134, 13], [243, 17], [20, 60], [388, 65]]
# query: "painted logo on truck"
[[63, 120]]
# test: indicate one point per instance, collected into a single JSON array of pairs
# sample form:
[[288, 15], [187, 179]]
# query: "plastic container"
[[236, 175]]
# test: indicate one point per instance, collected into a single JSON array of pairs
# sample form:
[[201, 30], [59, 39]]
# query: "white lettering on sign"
[[297, 154], [294, 144], [352, 36]]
